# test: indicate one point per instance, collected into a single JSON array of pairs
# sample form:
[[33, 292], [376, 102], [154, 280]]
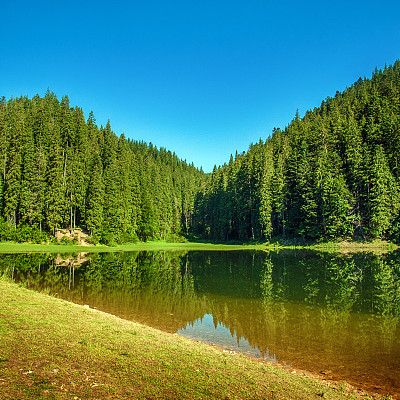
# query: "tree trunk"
[[70, 225], [65, 161]]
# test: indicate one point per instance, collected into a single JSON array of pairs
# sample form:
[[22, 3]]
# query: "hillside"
[[58, 171], [333, 173]]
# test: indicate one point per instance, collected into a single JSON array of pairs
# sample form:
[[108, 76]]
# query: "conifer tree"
[[54, 200], [29, 178], [95, 198], [232, 200], [303, 213], [384, 194], [13, 162], [266, 204]]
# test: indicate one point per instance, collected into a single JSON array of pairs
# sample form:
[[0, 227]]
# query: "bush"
[[54, 240], [128, 237], [174, 238], [38, 237], [5, 231], [22, 234], [109, 239], [94, 239], [66, 240]]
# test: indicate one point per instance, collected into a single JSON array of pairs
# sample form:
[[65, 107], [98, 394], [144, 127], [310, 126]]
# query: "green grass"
[[11, 247], [376, 246], [52, 349]]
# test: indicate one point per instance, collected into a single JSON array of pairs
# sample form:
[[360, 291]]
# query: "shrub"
[[174, 238], [66, 240]]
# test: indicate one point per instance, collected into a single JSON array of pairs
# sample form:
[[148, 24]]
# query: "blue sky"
[[201, 78]]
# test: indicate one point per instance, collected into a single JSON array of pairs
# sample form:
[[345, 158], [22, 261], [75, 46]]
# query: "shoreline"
[[376, 246], [165, 365]]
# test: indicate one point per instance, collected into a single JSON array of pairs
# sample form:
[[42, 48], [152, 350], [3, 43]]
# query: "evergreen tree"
[[13, 163], [95, 198], [54, 200], [384, 195], [266, 204]]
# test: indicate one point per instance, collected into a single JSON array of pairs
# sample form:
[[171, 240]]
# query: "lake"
[[332, 314]]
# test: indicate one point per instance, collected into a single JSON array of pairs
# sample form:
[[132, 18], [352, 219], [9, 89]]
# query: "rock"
[[326, 372]]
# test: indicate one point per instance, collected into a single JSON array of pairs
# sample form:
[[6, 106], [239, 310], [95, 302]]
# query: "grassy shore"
[[376, 246], [52, 349], [11, 247]]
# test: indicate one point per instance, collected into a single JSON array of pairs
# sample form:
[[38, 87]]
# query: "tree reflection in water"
[[311, 310]]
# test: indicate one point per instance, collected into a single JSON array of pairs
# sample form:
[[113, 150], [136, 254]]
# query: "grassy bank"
[[52, 349], [376, 246], [10, 247]]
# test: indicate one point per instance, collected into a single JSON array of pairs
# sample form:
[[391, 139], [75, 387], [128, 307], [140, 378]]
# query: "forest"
[[58, 170], [332, 174]]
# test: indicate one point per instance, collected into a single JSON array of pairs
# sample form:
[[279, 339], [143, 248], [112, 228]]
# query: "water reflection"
[[313, 311], [213, 332]]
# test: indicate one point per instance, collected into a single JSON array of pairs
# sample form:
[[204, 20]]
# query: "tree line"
[[58, 170], [333, 173]]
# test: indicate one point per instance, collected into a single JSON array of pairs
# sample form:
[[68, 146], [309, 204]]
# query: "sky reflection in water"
[[207, 330]]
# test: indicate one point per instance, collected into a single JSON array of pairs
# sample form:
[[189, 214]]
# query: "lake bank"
[[10, 247], [376, 246], [108, 357]]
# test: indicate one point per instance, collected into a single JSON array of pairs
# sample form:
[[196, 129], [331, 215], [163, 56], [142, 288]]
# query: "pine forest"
[[332, 174]]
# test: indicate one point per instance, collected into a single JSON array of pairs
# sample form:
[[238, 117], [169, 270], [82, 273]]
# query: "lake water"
[[338, 315]]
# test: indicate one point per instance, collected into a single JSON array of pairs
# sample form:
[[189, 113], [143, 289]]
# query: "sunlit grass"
[[376, 246], [10, 247]]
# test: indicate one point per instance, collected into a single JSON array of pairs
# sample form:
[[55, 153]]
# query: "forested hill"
[[333, 173], [58, 170]]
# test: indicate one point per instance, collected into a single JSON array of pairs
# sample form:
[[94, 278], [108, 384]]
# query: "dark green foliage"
[[333, 174], [384, 195], [59, 171], [23, 233]]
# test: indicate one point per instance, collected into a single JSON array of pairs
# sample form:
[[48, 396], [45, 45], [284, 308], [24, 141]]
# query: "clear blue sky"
[[201, 78]]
